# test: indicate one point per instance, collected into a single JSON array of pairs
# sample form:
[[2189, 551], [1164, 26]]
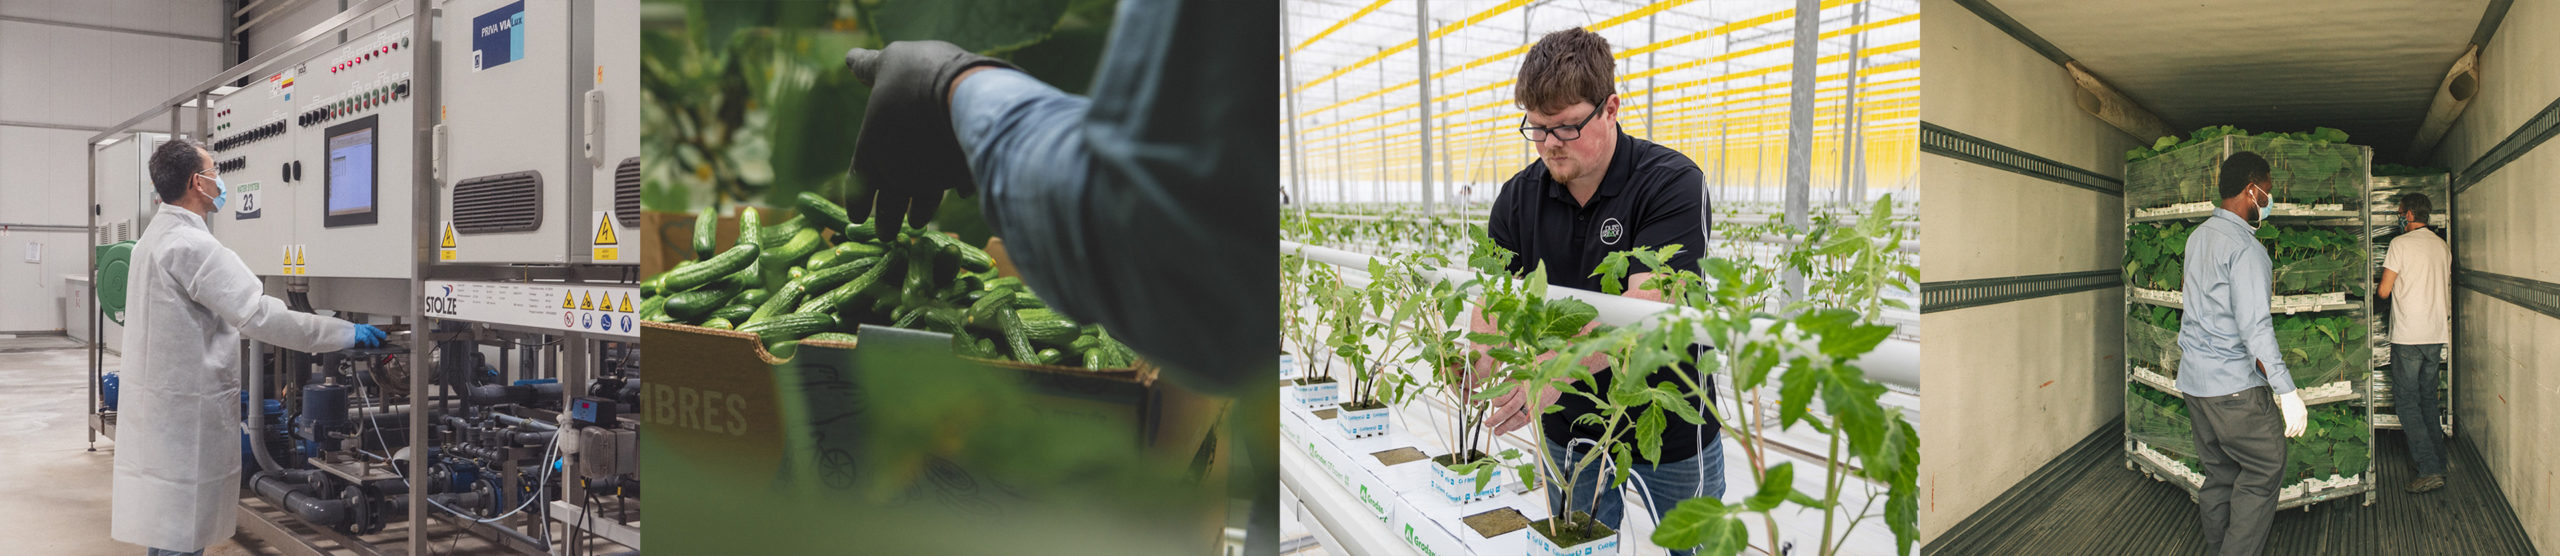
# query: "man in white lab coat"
[[190, 300]]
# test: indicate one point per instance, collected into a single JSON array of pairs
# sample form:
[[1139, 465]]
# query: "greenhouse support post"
[[1289, 102], [1808, 42], [1422, 82]]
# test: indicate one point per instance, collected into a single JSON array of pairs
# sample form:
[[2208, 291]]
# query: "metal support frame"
[[2534, 295], [428, 79], [1801, 75], [2001, 20], [1289, 112], [108, 28], [1422, 82], [2532, 134], [1938, 140], [1959, 294]]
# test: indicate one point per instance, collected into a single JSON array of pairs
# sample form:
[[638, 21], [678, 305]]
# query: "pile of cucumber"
[[819, 275]]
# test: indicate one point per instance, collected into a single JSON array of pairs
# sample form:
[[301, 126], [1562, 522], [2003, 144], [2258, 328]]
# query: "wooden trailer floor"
[[2086, 502]]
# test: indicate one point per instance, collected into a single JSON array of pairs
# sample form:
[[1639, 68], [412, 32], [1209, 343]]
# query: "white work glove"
[[2294, 414]]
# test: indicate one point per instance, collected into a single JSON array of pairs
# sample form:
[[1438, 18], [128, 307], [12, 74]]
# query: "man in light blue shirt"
[[2233, 377]]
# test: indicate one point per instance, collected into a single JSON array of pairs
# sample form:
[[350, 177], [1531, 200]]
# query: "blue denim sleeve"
[[1146, 208]]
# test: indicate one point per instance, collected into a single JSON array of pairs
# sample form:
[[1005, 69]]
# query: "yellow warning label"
[[604, 231], [568, 300], [587, 302], [285, 262], [445, 248], [626, 303]]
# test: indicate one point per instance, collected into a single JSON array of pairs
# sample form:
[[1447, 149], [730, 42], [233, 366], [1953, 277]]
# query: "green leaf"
[[1693, 522], [983, 26], [1648, 435], [1775, 484]]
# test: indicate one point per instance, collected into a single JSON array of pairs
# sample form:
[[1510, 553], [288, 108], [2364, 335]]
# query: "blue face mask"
[[221, 193], [2266, 206]]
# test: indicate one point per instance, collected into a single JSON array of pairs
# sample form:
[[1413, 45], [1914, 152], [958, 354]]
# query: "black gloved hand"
[[907, 152]]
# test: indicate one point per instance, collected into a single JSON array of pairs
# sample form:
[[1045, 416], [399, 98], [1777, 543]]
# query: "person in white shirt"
[[2417, 278]]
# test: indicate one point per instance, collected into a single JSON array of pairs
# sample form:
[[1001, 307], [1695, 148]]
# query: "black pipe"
[[293, 489]]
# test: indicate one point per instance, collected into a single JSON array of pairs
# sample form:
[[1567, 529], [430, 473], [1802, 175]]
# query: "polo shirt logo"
[[1610, 230]]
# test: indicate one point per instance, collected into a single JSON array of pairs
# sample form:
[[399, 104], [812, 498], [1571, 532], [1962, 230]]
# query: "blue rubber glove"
[[367, 335]]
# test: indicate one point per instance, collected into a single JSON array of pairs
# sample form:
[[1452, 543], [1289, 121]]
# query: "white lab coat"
[[189, 300]]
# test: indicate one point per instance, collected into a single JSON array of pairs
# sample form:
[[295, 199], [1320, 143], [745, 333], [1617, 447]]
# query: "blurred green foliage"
[[748, 102]]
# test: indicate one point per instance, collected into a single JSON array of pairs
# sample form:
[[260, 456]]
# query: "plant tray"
[[1461, 489], [2154, 379], [2329, 393], [2332, 301], [2311, 491], [1540, 546], [2172, 298], [1363, 423], [1317, 396], [2176, 211], [2166, 468]]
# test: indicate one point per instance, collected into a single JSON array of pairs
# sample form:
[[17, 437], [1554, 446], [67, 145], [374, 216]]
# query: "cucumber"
[[838, 337], [831, 281], [942, 319], [790, 327], [657, 285], [780, 233], [779, 257], [746, 278], [1015, 337], [969, 346], [1046, 356], [751, 298], [971, 259], [706, 232], [689, 277], [982, 314], [1028, 301], [841, 297], [919, 280], [859, 250], [653, 305], [864, 231], [826, 213], [782, 299], [719, 323], [822, 259], [749, 228], [737, 310], [692, 306], [1047, 327], [783, 350]]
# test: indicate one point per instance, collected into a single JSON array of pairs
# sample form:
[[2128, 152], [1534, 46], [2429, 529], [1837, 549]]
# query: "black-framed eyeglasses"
[[1568, 133]]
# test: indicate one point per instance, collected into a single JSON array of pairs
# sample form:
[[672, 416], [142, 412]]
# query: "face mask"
[[2266, 206], [221, 193]]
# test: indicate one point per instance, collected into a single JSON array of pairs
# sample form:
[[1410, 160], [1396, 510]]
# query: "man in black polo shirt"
[[1596, 190]]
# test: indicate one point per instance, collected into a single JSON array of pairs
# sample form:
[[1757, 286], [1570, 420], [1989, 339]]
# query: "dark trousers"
[[2413, 394], [2240, 438]]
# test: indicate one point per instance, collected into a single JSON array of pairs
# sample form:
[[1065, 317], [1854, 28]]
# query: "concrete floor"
[[58, 489]]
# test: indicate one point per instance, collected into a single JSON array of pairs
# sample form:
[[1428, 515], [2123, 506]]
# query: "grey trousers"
[[2240, 438]]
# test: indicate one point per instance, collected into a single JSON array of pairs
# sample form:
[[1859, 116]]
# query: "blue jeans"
[[1700, 476], [159, 552], [2413, 394]]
